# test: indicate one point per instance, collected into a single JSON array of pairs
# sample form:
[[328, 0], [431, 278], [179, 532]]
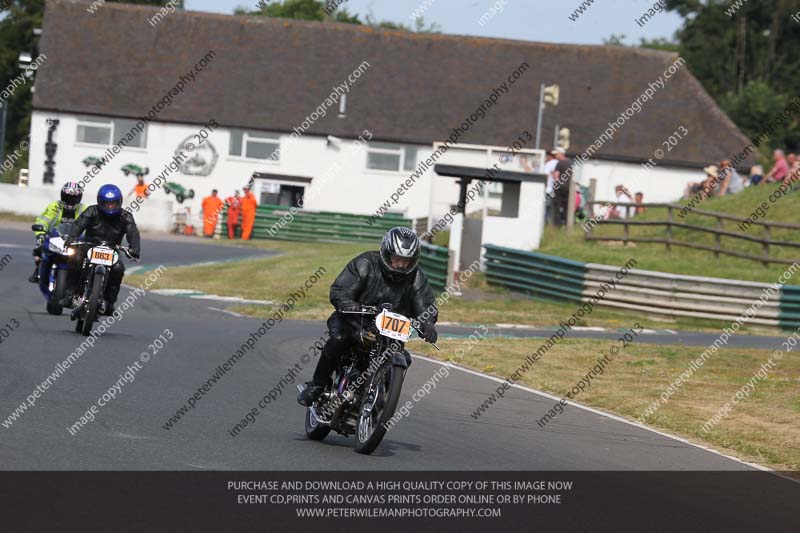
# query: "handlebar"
[[124, 249], [372, 310]]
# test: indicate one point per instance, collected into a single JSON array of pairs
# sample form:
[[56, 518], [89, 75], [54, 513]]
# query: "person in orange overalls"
[[234, 204], [249, 205], [212, 205], [140, 189]]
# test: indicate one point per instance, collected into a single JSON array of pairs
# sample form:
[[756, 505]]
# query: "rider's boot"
[[35, 276], [111, 299], [310, 394]]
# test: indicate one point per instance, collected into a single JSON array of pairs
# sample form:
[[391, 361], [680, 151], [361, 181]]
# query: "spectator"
[[640, 200], [212, 205], [562, 176], [140, 189], [234, 204], [732, 182], [249, 205], [756, 174], [549, 167], [705, 187], [623, 196], [794, 163], [780, 169]]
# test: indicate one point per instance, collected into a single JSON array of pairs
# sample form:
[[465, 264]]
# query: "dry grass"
[[762, 428]]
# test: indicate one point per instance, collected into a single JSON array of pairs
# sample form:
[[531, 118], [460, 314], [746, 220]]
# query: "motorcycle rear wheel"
[[379, 405]]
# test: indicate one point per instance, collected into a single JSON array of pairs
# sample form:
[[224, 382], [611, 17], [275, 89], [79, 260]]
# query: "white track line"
[[602, 413], [237, 315]]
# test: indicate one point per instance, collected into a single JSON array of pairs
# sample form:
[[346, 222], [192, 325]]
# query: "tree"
[[16, 36], [744, 54], [315, 10], [665, 45]]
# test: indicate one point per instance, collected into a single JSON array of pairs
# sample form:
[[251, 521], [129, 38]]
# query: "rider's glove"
[[135, 254], [350, 307], [428, 332]]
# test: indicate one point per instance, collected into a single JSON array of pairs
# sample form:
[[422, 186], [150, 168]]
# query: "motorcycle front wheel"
[[315, 430], [378, 407], [53, 306], [93, 304]]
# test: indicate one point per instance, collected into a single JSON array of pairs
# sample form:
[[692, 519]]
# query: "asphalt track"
[[128, 432]]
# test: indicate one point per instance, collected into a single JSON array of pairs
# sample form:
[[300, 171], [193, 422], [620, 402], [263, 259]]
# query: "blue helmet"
[[109, 200]]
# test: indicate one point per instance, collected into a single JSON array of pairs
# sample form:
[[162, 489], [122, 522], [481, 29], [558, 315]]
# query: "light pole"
[[2, 128], [548, 94]]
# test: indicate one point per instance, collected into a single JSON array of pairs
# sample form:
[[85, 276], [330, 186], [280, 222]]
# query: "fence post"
[[571, 206], [718, 237], [626, 233], [765, 245], [669, 228]]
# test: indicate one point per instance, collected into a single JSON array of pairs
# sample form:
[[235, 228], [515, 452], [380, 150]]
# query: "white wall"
[[351, 188], [155, 215], [660, 184], [525, 231], [341, 181]]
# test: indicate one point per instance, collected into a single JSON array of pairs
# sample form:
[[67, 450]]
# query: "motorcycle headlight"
[[53, 247], [70, 251]]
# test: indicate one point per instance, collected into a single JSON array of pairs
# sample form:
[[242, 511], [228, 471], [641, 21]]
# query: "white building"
[[306, 92]]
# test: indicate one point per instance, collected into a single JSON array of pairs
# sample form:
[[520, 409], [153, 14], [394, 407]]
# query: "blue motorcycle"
[[54, 266]]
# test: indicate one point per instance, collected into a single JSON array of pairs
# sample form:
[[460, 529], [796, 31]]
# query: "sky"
[[529, 20]]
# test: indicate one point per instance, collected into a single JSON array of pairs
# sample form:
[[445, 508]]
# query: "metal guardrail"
[[559, 279], [719, 232]]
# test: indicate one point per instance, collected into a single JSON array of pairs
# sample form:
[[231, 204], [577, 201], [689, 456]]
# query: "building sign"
[[201, 158]]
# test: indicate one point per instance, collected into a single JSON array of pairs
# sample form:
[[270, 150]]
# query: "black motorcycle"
[[366, 389], [89, 300]]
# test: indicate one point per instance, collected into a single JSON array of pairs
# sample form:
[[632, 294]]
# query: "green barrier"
[[789, 316], [277, 222], [433, 261], [540, 275]]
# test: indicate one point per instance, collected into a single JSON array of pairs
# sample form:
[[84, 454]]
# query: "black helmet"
[[400, 243], [71, 195]]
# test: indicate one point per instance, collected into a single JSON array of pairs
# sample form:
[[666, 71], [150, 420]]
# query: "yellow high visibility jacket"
[[51, 216]]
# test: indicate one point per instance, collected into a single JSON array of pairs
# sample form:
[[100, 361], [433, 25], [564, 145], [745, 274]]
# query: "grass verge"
[[274, 278], [13, 217], [685, 260], [762, 428]]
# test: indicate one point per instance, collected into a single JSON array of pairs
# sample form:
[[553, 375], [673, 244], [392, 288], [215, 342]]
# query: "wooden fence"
[[766, 241]]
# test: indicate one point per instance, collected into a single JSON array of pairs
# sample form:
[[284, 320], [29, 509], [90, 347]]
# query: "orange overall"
[[249, 205], [212, 205], [234, 204]]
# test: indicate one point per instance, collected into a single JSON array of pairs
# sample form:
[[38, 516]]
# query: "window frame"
[[96, 123], [401, 150], [111, 124], [252, 136]]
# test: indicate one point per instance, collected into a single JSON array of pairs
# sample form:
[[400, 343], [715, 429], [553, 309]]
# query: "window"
[[253, 145], [95, 131], [126, 129], [92, 130], [391, 157]]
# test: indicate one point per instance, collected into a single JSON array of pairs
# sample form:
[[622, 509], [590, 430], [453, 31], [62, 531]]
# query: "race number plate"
[[393, 326], [101, 255]]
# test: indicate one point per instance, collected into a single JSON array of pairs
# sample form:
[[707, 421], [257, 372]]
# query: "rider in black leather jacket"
[[374, 278], [108, 222]]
